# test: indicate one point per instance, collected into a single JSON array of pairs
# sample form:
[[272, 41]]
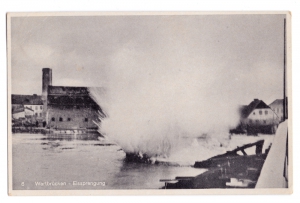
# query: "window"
[[36, 114], [40, 114], [260, 112], [253, 113], [60, 119], [266, 112], [36, 108], [69, 119], [53, 119], [41, 107], [86, 119]]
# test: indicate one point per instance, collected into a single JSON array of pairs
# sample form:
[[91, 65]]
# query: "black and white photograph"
[[166, 102]]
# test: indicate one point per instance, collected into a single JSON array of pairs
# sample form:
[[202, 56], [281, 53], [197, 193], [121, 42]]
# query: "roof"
[[72, 96], [18, 110], [28, 108], [26, 99], [63, 90], [246, 110], [277, 102]]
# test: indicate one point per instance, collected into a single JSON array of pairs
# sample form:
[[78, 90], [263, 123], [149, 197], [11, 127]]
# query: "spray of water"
[[152, 101]]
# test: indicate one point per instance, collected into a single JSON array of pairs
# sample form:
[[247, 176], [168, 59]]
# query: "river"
[[78, 162], [52, 162]]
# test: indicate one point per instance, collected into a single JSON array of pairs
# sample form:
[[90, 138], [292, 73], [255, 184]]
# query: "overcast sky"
[[242, 54]]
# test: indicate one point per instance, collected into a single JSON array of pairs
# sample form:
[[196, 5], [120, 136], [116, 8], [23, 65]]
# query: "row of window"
[[277, 110], [266, 112], [60, 119], [38, 114], [260, 113], [36, 107], [257, 121]]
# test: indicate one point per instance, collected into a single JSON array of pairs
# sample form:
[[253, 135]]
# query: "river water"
[[43, 162], [55, 162]]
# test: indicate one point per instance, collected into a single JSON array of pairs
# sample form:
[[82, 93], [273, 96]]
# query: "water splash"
[[150, 106]]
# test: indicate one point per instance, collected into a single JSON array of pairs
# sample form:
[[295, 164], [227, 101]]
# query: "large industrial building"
[[59, 108], [69, 108]]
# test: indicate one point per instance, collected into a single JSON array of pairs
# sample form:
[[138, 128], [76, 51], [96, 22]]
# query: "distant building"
[[277, 107], [37, 110], [258, 117], [29, 112], [31, 105], [18, 113]]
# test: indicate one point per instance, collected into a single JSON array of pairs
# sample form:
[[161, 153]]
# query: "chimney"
[[47, 80]]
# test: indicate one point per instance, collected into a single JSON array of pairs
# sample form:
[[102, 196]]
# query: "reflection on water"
[[70, 137], [75, 161]]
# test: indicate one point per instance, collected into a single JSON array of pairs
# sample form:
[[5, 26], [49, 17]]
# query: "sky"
[[236, 56]]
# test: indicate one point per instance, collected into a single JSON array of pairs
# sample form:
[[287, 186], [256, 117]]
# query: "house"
[[33, 102], [277, 107], [29, 112], [18, 113], [257, 117]]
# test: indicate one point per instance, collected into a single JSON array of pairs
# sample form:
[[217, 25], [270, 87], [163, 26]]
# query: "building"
[[32, 105], [23, 117], [29, 112], [277, 107], [68, 108], [59, 108], [71, 108], [18, 113], [36, 109], [257, 117]]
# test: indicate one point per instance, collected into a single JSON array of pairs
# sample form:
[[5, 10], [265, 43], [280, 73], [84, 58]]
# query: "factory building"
[[69, 108]]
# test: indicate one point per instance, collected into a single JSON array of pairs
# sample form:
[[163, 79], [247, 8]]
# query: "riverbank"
[[41, 130]]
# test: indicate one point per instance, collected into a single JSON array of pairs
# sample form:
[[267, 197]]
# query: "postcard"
[[149, 103]]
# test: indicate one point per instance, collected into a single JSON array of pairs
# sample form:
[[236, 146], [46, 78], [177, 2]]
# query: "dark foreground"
[[229, 170]]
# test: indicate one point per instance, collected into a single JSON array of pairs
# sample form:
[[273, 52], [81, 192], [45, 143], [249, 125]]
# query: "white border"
[[76, 5]]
